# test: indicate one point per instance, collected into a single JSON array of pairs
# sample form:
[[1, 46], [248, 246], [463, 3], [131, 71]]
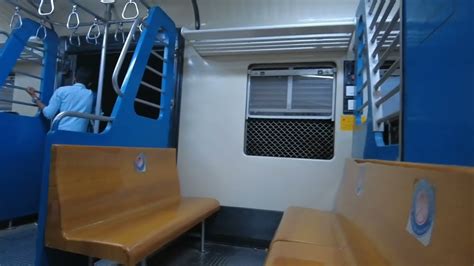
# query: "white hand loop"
[[119, 32], [40, 8], [41, 29], [73, 16], [133, 5], [16, 21], [94, 31], [73, 36], [141, 26]]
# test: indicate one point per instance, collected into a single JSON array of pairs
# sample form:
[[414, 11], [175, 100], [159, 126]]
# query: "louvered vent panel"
[[313, 95], [267, 94]]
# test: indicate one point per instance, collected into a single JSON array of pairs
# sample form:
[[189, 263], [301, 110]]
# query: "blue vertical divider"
[[127, 128], [22, 137], [438, 96], [438, 88]]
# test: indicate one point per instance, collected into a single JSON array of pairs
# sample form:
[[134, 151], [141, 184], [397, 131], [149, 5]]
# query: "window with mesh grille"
[[290, 112]]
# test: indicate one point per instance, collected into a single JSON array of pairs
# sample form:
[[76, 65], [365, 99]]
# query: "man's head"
[[83, 75]]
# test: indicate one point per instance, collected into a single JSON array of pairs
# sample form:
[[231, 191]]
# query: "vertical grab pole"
[[100, 87], [203, 233]]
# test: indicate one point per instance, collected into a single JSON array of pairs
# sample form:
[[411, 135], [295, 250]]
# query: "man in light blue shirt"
[[75, 98]]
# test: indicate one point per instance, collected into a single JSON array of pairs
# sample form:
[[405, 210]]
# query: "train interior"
[[266, 132]]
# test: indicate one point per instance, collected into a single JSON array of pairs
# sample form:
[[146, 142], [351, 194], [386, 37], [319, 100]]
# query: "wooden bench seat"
[[368, 226], [307, 226], [284, 253], [101, 205]]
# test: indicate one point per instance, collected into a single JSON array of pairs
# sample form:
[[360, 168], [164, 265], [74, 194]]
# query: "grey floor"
[[17, 245], [186, 252], [17, 248]]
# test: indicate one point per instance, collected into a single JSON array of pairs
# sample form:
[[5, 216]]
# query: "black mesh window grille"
[[290, 138]]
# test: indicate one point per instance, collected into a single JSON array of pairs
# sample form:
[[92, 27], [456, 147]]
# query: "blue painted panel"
[[439, 87], [366, 143], [435, 13], [22, 138], [127, 129]]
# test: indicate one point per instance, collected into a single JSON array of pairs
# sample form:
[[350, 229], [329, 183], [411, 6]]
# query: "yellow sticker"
[[347, 122]]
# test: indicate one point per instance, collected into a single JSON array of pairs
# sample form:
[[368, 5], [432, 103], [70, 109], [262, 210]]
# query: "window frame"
[[315, 118]]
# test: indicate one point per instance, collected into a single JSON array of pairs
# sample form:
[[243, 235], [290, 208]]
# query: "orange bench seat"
[[368, 225], [101, 206]]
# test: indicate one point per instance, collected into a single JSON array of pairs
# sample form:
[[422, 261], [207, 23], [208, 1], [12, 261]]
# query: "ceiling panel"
[[214, 13]]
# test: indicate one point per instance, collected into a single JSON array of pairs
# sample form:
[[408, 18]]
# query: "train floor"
[[17, 247]]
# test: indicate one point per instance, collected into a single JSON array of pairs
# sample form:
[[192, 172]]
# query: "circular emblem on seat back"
[[423, 208], [140, 163]]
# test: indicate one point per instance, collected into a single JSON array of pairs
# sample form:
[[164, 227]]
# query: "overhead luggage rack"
[[325, 36]]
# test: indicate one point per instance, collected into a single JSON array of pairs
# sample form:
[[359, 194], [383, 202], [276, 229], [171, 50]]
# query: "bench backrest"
[[89, 184], [373, 205]]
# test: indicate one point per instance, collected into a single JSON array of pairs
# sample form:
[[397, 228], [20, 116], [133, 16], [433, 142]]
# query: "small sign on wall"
[[422, 214], [347, 122], [140, 163]]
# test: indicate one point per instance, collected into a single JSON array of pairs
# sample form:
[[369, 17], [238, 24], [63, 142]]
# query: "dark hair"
[[83, 75]]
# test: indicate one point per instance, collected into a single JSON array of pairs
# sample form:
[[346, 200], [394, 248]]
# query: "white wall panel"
[[211, 160]]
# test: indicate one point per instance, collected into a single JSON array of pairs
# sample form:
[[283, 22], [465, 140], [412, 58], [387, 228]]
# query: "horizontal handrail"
[[158, 55], [386, 54], [123, 54], [377, 14], [389, 30], [387, 74], [27, 74], [387, 96], [17, 102], [380, 45], [383, 20], [154, 71], [30, 53], [148, 103], [62, 115], [148, 85], [363, 106], [364, 85], [31, 61], [372, 7], [10, 86]]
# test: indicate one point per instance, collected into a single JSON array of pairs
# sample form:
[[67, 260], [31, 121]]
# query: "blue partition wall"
[[127, 128], [22, 138], [438, 87], [438, 122]]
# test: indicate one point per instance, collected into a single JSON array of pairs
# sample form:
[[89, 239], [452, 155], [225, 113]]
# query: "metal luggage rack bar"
[[324, 36]]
